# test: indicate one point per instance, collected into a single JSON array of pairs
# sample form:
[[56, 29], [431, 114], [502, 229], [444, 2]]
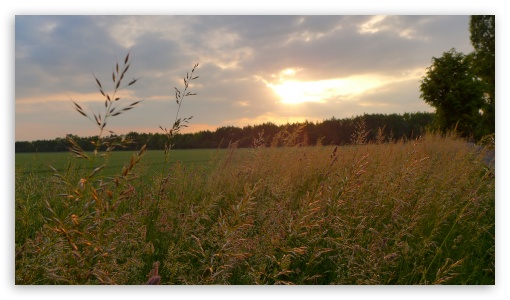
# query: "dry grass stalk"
[[154, 278], [179, 123], [111, 109]]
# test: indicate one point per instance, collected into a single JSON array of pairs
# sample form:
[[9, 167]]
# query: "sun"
[[296, 92], [286, 84]]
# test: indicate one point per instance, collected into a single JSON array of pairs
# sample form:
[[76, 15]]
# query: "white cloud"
[[373, 25]]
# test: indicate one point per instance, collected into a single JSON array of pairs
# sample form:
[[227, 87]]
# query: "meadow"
[[404, 212], [39, 163]]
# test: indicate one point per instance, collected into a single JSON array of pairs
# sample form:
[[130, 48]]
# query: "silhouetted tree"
[[483, 39], [452, 87]]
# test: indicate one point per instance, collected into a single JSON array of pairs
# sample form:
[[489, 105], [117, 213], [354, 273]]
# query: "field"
[[38, 163], [415, 212]]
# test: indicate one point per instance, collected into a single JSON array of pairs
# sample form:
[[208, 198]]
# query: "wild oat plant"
[[90, 230], [417, 211]]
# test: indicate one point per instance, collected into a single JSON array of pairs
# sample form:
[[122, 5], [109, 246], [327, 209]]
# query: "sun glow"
[[295, 92]]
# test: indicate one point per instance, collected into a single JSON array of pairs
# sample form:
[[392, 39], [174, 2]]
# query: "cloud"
[[240, 58]]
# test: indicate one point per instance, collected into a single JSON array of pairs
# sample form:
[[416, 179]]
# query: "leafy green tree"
[[452, 87], [483, 39]]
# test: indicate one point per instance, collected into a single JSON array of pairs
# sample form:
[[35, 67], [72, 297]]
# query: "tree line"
[[380, 127]]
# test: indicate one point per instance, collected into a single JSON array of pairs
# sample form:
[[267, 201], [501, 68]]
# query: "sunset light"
[[252, 150], [295, 92]]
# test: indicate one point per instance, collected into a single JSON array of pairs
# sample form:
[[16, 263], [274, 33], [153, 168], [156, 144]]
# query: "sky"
[[252, 68]]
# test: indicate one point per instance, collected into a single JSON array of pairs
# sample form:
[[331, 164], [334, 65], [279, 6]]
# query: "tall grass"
[[402, 212], [420, 212]]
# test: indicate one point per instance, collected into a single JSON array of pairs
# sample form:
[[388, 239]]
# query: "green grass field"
[[420, 212], [38, 163]]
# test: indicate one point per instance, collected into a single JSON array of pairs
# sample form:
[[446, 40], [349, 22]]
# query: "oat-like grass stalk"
[[112, 108], [179, 123], [82, 219]]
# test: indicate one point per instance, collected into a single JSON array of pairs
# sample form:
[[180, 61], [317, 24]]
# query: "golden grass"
[[420, 212]]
